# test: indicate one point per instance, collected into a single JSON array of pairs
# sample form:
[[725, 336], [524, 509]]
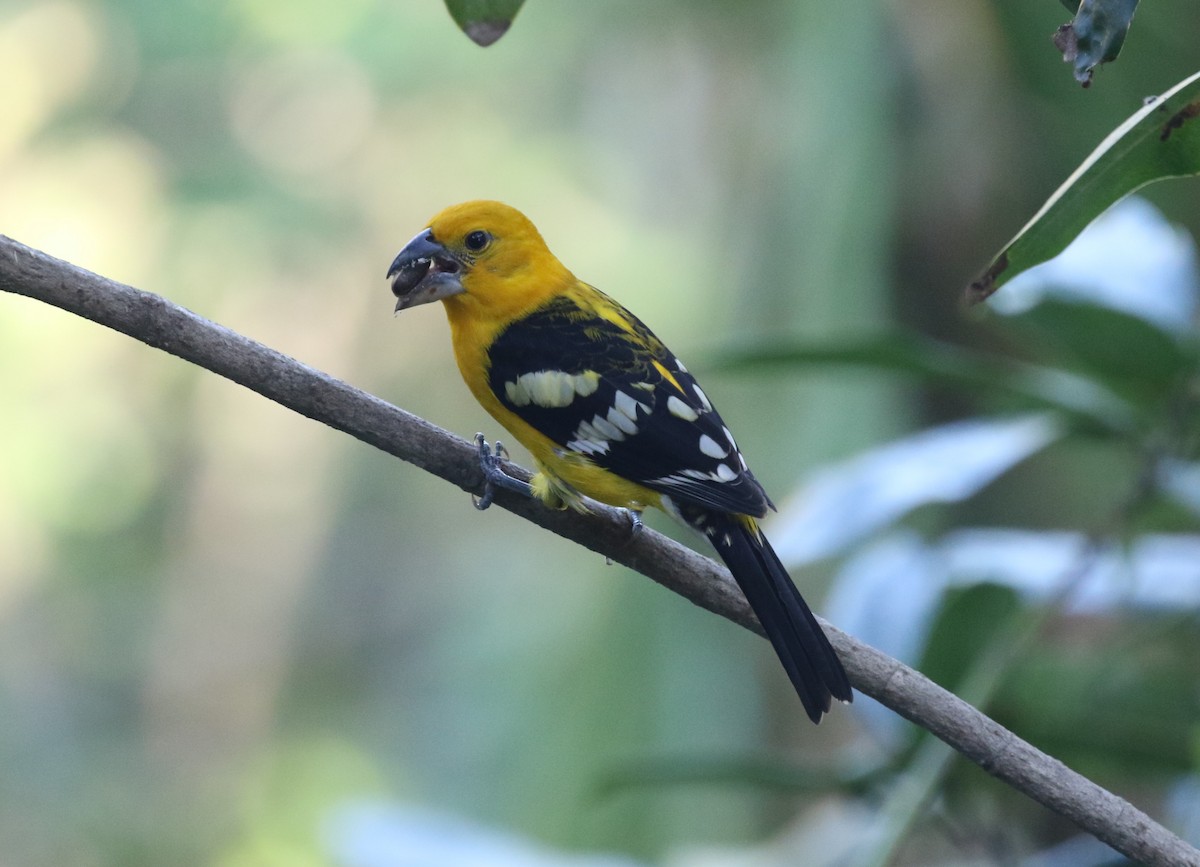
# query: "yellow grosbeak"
[[605, 409]]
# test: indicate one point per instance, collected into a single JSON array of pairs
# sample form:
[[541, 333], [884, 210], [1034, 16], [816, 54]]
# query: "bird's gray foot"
[[490, 461]]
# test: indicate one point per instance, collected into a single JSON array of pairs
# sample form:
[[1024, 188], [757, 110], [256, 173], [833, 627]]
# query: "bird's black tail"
[[798, 639]]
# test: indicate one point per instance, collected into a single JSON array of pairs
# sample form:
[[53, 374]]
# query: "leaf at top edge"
[[1159, 141], [1095, 35], [484, 21]]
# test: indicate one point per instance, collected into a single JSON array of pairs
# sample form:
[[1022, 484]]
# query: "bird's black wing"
[[597, 382]]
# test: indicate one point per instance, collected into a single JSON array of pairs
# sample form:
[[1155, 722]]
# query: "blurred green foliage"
[[219, 623]]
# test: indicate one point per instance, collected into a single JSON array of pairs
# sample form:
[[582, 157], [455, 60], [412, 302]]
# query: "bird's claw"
[[635, 529], [490, 461]]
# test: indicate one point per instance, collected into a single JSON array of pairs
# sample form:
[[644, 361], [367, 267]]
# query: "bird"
[[605, 410]]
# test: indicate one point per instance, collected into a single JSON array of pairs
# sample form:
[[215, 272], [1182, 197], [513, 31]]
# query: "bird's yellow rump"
[[605, 408]]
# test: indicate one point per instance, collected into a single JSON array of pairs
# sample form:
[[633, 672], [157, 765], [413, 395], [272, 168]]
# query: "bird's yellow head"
[[477, 253]]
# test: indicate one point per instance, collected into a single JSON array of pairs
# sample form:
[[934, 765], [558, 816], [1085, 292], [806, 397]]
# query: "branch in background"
[[159, 323]]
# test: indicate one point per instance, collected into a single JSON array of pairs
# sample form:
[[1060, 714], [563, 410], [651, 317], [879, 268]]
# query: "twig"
[[159, 323]]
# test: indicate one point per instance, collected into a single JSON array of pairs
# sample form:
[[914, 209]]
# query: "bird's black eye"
[[477, 240]]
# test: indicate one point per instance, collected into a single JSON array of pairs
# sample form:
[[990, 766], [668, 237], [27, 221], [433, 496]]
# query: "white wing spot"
[[686, 478], [588, 447], [729, 436], [592, 437], [552, 389], [679, 366], [607, 430], [586, 383], [712, 448], [703, 398], [516, 393], [725, 473], [629, 406], [679, 409], [622, 421]]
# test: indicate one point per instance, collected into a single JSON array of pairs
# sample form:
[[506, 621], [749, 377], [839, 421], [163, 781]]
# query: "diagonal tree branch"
[[159, 323]]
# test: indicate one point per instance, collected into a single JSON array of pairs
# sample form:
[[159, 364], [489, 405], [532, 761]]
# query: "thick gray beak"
[[424, 271]]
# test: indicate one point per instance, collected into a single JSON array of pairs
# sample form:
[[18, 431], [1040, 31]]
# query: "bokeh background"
[[229, 636]]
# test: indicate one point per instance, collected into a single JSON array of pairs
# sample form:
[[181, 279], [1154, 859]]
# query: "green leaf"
[[1161, 140], [1128, 354], [945, 363], [1110, 695], [964, 628], [1095, 35], [484, 21]]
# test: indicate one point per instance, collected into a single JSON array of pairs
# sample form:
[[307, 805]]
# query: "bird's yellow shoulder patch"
[[668, 376]]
